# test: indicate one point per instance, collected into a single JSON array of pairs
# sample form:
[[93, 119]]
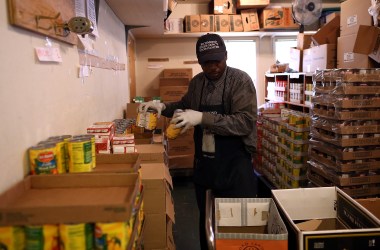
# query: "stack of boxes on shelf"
[[357, 42], [345, 144], [349, 39], [240, 16], [317, 51]]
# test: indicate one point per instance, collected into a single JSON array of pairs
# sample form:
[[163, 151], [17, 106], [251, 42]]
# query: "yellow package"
[[111, 236], [76, 236], [43, 237], [12, 238]]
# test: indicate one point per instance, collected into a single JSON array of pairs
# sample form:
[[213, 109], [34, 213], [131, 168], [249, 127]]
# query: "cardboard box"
[[224, 7], [173, 81], [249, 4], [331, 219], [295, 59], [222, 23], [157, 184], [179, 161], [117, 163], [178, 73], [328, 34], [172, 93], [245, 223], [372, 205], [151, 153], [236, 23], [131, 110], [174, 25], [354, 13], [158, 206], [250, 20], [192, 23], [319, 57], [69, 198], [346, 58], [368, 42], [179, 146], [207, 23], [158, 232], [277, 18], [303, 41]]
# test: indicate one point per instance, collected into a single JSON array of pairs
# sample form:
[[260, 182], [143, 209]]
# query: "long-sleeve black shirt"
[[240, 104]]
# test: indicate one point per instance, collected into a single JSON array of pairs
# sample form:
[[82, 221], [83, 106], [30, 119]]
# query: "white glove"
[[158, 106], [187, 119]]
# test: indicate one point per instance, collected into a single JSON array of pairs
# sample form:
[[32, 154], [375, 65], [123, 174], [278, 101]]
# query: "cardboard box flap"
[[321, 206], [310, 225], [152, 171], [368, 37], [71, 198]]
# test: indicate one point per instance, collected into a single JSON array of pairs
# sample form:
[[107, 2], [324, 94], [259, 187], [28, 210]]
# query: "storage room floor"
[[185, 229]]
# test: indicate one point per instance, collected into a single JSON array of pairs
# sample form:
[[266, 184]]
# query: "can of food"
[[112, 235], [80, 155], [147, 120], [61, 153], [93, 146], [44, 237], [76, 236], [12, 238], [172, 132], [43, 159]]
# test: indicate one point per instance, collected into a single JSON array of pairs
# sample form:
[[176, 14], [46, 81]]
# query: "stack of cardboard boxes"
[[354, 19], [173, 85], [158, 206]]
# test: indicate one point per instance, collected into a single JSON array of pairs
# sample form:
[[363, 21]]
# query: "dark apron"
[[228, 171]]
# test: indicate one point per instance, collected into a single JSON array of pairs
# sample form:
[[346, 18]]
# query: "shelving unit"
[[293, 89]]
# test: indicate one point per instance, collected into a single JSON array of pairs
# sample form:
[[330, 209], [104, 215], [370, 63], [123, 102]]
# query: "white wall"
[[38, 100], [179, 50]]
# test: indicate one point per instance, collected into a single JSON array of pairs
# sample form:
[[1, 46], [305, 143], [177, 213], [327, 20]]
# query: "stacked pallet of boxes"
[[357, 42], [293, 142], [345, 144], [269, 148], [284, 148], [179, 151]]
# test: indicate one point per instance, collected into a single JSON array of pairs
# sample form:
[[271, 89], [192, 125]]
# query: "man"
[[221, 105]]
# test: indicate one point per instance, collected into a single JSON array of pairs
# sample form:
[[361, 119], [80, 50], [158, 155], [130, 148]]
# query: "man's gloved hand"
[[187, 119], [158, 106]]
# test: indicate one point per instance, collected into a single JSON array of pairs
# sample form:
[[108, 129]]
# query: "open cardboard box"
[[248, 223], [151, 153], [69, 198], [326, 218], [117, 163]]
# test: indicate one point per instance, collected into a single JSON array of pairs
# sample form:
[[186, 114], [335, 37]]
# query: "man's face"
[[214, 69]]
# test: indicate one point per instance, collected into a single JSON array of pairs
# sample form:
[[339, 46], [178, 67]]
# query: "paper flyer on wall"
[[86, 8]]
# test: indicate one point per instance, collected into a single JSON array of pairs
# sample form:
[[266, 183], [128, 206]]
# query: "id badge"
[[208, 142]]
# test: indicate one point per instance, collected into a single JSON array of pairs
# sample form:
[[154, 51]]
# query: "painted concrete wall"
[[38, 100]]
